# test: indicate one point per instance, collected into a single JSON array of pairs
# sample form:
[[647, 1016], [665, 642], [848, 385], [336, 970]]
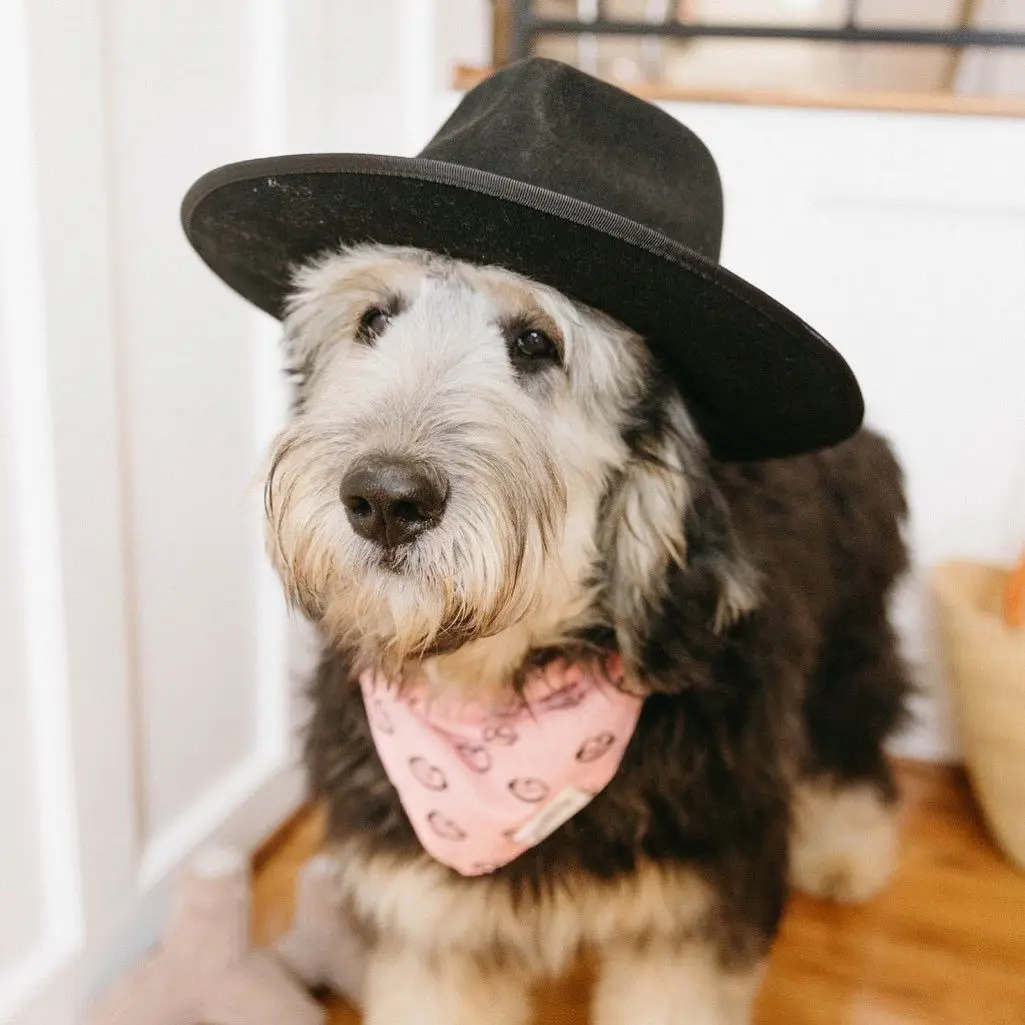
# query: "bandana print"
[[482, 786]]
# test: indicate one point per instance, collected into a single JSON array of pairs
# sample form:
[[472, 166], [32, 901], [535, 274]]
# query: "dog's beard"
[[478, 572]]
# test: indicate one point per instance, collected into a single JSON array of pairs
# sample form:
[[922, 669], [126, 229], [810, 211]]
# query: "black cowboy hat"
[[568, 180]]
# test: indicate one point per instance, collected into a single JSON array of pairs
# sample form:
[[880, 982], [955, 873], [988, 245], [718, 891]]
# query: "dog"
[[483, 477]]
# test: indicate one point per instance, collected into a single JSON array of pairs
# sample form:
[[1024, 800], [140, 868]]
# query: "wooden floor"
[[945, 944]]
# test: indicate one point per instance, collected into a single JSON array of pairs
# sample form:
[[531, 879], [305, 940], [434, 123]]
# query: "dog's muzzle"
[[391, 500]]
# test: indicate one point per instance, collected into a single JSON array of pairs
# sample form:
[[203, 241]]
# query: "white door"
[[146, 662], [142, 646]]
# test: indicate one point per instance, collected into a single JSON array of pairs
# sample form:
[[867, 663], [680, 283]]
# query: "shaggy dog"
[[555, 500]]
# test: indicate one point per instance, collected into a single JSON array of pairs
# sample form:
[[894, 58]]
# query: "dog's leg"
[[406, 986], [844, 844], [672, 983], [844, 841]]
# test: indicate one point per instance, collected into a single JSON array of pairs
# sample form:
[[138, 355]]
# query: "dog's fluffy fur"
[[585, 514]]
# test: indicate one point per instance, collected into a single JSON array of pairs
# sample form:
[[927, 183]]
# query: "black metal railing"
[[527, 26]]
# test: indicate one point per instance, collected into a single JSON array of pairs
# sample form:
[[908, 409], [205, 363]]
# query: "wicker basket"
[[985, 662]]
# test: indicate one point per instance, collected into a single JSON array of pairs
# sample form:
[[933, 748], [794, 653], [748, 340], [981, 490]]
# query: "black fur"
[[809, 682]]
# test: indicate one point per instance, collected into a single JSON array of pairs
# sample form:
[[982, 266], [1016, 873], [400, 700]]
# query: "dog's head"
[[479, 467]]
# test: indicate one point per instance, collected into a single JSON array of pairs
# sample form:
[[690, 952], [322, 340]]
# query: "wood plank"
[[466, 77], [944, 945]]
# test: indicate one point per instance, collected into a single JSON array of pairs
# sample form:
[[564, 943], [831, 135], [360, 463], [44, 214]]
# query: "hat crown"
[[545, 123]]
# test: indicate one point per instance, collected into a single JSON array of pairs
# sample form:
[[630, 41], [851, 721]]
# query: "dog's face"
[[476, 463]]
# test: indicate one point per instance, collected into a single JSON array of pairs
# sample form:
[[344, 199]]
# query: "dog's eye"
[[535, 345], [373, 323]]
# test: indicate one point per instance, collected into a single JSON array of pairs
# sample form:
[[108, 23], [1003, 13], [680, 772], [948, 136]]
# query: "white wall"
[[144, 651]]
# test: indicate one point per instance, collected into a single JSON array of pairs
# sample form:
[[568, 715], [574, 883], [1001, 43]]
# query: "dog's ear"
[[676, 578]]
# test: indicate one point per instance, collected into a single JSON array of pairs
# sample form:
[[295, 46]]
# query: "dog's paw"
[[844, 842]]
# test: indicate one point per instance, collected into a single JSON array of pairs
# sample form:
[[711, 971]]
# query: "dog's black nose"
[[392, 500]]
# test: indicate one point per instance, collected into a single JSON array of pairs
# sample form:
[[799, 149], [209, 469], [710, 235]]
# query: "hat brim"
[[760, 382]]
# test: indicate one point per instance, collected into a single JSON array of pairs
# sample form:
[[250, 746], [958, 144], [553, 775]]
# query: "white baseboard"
[[241, 812]]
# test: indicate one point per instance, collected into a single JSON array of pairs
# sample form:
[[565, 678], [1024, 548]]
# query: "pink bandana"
[[481, 787]]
